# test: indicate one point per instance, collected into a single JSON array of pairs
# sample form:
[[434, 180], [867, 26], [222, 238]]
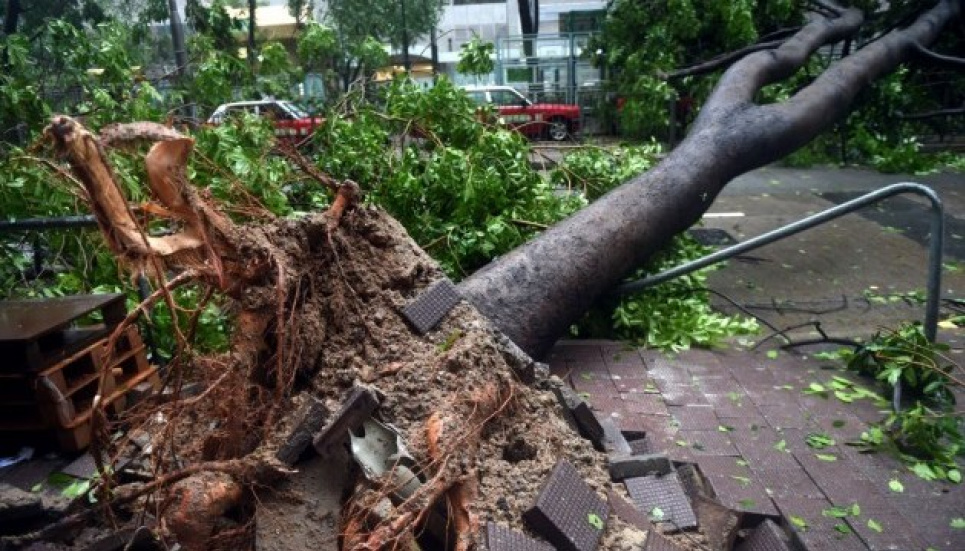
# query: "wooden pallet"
[[61, 398]]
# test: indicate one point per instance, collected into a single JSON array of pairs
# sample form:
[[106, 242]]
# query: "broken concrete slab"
[[357, 407], [500, 538], [302, 513], [311, 418], [568, 512], [17, 505], [633, 466]]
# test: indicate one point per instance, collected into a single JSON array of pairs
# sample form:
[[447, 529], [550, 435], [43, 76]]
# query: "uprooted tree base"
[[316, 303]]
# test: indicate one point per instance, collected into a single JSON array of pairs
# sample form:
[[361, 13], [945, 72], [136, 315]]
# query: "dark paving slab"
[[744, 419]]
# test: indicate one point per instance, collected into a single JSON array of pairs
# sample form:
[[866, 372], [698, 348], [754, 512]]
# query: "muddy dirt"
[[343, 296]]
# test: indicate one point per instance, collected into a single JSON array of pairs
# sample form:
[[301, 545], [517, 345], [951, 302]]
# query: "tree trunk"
[[252, 23], [536, 292]]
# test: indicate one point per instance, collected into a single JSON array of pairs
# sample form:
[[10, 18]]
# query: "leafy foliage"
[[672, 316], [927, 434], [475, 57]]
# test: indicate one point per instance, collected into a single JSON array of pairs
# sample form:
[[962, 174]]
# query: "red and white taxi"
[[554, 121], [292, 123]]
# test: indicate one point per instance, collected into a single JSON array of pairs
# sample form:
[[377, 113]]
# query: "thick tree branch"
[[720, 61], [924, 115], [936, 58], [534, 293]]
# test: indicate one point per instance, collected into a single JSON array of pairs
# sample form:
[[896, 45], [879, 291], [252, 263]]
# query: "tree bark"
[[536, 292]]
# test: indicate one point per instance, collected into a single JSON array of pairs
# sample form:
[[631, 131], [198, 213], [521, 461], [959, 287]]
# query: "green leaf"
[[819, 440], [826, 456], [923, 471], [656, 513], [842, 528], [957, 523], [724, 428], [873, 524], [747, 503], [954, 475], [835, 512], [772, 354], [855, 509], [744, 481], [781, 446], [798, 522], [595, 521], [896, 486]]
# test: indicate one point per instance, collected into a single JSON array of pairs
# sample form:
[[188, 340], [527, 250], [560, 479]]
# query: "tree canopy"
[[671, 52]]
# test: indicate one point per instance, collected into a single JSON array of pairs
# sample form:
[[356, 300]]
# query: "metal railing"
[[935, 245]]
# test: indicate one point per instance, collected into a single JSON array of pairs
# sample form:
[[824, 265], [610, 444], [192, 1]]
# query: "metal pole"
[[406, 62], [177, 38], [936, 241]]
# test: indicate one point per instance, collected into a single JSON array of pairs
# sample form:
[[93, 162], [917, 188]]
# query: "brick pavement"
[[743, 419]]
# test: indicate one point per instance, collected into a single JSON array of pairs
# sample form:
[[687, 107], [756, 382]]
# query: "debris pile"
[[362, 405]]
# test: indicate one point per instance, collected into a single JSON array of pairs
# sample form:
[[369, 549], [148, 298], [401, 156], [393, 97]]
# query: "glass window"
[[478, 97], [507, 97]]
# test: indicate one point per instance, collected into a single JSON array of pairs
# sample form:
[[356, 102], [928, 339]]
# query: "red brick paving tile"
[[707, 442], [763, 448], [577, 351], [694, 417], [819, 533], [770, 394], [742, 494], [717, 384], [682, 394], [841, 481], [789, 481], [594, 387], [657, 425], [896, 532], [788, 416], [640, 402], [932, 516], [722, 465], [623, 384], [627, 371]]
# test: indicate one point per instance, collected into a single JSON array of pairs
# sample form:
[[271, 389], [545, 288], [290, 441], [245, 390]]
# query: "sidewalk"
[[743, 419]]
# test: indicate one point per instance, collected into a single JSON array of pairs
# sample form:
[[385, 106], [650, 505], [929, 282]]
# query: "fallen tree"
[[536, 292]]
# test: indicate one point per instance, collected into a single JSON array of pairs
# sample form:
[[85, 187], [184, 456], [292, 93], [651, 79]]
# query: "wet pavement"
[[767, 448]]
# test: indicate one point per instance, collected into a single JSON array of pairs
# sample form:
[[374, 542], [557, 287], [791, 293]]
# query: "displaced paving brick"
[[501, 538], [311, 417], [625, 511], [634, 466], [613, 442], [83, 467], [768, 536], [431, 306], [578, 412], [567, 512], [16, 505], [744, 494], [359, 405], [666, 494]]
